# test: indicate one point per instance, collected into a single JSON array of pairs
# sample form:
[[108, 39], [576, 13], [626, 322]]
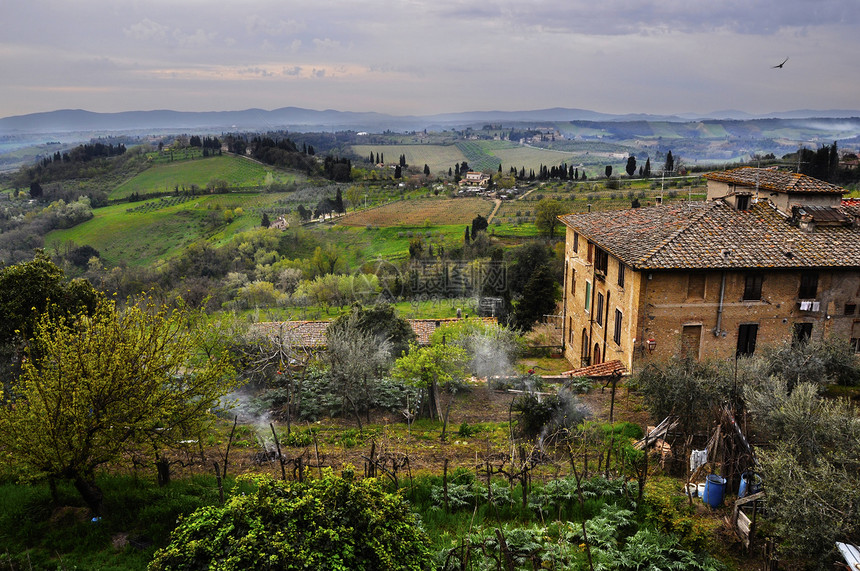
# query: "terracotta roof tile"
[[600, 370], [713, 235], [311, 334], [774, 180]]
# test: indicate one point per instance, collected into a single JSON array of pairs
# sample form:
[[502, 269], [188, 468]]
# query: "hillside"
[[187, 172]]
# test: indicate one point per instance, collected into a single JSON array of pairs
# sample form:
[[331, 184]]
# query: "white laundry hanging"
[[698, 458]]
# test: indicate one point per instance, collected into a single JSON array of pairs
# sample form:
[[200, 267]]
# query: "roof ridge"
[[653, 252]]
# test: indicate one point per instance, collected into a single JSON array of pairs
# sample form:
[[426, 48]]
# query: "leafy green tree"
[[546, 215], [27, 290], [538, 299], [491, 348], [97, 387], [429, 367], [353, 195], [479, 224], [326, 261], [524, 261], [327, 523], [382, 322], [36, 190], [631, 165]]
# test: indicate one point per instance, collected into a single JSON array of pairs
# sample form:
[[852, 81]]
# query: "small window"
[[808, 285], [743, 201], [616, 336], [747, 333], [572, 281], [587, 296], [752, 287], [620, 274], [850, 308], [599, 317], [589, 256], [584, 350], [696, 286], [601, 260], [576, 242]]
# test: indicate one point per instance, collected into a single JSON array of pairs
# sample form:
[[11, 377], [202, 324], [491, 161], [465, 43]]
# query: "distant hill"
[[295, 118]]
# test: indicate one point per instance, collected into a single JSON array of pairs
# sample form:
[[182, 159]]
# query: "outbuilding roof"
[[311, 334], [713, 235], [778, 181]]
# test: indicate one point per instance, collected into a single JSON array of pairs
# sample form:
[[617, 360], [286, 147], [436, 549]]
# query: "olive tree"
[[811, 473]]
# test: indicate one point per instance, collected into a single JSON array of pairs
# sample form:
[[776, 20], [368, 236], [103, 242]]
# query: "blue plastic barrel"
[[750, 484], [715, 489]]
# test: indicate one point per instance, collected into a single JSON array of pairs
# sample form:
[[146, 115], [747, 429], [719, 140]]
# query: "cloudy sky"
[[429, 56]]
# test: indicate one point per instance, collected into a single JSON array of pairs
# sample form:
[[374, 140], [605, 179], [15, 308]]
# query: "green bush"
[[328, 523]]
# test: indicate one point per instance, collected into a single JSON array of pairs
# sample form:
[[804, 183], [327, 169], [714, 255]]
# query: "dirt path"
[[498, 205]]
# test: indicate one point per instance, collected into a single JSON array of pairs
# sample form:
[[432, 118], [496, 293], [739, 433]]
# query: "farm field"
[[417, 212], [438, 157], [237, 172], [483, 155]]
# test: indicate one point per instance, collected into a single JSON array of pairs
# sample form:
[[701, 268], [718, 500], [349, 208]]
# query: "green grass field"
[[237, 172], [149, 236]]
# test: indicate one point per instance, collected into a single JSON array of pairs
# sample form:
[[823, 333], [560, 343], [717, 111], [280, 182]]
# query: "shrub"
[[328, 523], [540, 416]]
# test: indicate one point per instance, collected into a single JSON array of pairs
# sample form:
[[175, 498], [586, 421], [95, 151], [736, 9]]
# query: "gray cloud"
[[422, 56]]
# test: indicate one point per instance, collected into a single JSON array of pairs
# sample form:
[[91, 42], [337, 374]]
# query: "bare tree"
[[272, 352], [356, 357]]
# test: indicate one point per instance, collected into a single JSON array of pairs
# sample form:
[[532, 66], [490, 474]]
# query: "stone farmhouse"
[[475, 179], [770, 256]]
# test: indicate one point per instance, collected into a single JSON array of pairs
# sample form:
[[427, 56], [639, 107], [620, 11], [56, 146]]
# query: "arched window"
[[596, 360], [584, 346]]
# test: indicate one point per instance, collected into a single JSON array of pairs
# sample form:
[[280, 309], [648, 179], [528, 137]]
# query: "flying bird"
[[780, 65]]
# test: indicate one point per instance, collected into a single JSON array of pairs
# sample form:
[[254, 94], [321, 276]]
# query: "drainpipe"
[[718, 329]]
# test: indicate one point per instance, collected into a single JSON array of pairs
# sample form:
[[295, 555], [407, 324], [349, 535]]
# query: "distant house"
[[280, 224], [473, 178]]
